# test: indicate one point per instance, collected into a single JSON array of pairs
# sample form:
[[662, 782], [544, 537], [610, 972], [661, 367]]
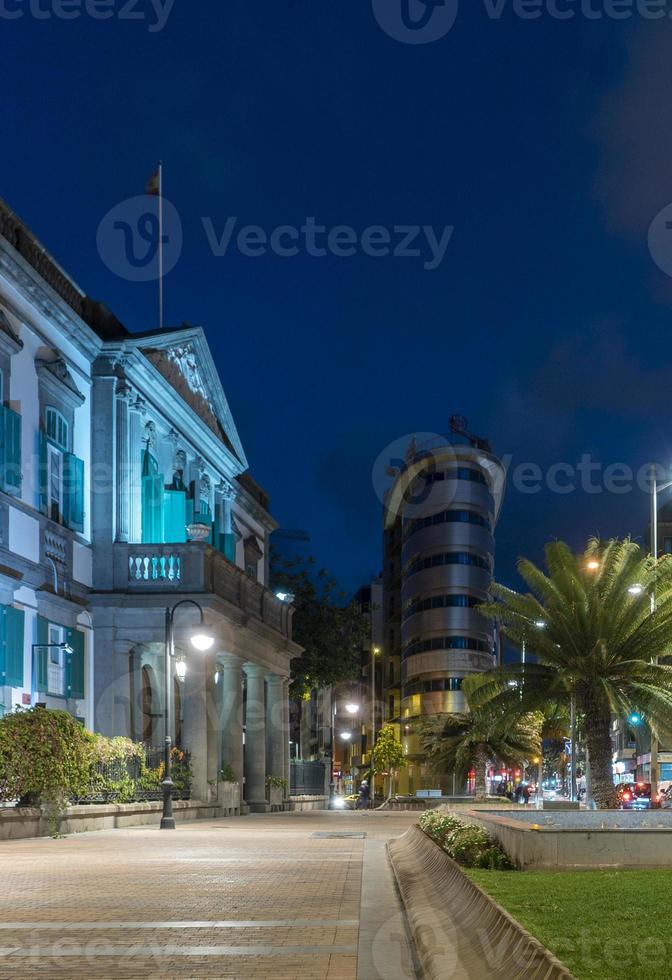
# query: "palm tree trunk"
[[598, 738], [481, 772]]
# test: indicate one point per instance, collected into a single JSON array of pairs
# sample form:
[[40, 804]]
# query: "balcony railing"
[[196, 568]]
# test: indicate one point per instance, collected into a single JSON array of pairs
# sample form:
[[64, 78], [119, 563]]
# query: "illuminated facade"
[[440, 516]]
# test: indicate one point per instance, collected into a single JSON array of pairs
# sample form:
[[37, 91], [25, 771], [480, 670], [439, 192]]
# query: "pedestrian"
[[363, 801]]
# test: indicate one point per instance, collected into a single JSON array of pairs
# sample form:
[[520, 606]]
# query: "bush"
[[467, 844], [45, 757]]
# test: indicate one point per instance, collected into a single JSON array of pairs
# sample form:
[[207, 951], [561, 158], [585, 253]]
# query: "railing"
[[306, 778], [154, 568], [195, 568], [127, 780]]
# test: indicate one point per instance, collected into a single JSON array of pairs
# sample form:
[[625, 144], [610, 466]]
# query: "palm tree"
[[495, 730], [590, 624]]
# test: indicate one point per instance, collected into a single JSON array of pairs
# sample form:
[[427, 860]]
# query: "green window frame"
[[12, 624], [10, 450]]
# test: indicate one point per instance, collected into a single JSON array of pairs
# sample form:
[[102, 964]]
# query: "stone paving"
[[259, 896]]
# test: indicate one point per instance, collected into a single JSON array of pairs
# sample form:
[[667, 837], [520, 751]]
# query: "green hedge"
[[465, 843], [48, 757]]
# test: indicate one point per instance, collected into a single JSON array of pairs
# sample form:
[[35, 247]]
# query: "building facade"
[[124, 490], [439, 522]]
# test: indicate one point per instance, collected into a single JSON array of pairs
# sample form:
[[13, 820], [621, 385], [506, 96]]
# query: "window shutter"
[[12, 641], [73, 491], [175, 516], [41, 653], [43, 474], [10, 450], [74, 677]]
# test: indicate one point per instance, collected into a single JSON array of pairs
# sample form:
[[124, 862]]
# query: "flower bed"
[[468, 845]]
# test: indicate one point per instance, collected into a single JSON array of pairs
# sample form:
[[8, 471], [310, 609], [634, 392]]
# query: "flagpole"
[[160, 245]]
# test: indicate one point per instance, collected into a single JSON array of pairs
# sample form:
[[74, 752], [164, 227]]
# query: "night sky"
[[547, 146]]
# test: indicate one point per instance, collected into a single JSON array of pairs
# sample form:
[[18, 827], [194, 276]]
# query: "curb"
[[460, 933]]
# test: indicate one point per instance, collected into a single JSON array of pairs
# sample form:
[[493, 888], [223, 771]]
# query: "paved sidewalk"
[[274, 895]]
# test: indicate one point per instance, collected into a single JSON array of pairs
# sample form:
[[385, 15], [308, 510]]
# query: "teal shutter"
[[152, 501], [175, 516], [10, 450], [73, 491], [43, 474], [74, 677], [41, 653], [12, 642]]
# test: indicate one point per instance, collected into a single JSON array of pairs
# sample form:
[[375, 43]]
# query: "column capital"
[[255, 671], [278, 679], [229, 661]]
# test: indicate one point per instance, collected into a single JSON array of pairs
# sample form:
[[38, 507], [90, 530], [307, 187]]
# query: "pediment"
[[183, 358], [54, 373]]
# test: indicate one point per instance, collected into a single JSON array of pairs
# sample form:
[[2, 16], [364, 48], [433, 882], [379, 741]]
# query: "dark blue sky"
[[546, 144]]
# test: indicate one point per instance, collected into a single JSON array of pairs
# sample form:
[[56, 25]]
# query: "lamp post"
[[372, 783], [202, 639], [352, 709], [653, 775]]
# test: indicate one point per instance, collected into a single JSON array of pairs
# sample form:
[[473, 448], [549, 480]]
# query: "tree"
[[331, 629], [488, 733], [589, 623], [388, 756]]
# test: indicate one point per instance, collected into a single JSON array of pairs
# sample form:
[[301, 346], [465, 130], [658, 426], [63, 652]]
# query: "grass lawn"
[[603, 925]]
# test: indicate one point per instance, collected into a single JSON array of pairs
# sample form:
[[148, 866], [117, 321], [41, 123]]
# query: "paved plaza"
[[305, 895]]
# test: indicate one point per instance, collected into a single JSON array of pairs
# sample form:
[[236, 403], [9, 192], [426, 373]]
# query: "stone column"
[[255, 739], [122, 462], [227, 495], [231, 716], [286, 755], [275, 760], [136, 424], [195, 724]]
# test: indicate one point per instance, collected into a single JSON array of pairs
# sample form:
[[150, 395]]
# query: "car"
[[635, 796]]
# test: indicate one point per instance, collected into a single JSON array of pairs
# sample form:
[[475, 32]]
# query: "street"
[[272, 895]]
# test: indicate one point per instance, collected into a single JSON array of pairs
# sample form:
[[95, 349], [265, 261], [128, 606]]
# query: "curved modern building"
[[440, 518]]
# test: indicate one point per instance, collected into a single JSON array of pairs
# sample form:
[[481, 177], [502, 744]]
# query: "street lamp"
[[202, 640], [352, 709], [655, 489], [346, 736]]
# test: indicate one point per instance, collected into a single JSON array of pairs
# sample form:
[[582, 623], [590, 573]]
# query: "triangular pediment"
[[183, 358]]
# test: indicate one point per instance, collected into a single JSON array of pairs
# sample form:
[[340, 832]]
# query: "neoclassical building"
[[124, 489]]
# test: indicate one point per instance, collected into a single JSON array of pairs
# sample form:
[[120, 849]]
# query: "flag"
[[154, 185]]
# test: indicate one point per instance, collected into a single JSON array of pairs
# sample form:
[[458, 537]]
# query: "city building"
[[124, 490], [439, 521]]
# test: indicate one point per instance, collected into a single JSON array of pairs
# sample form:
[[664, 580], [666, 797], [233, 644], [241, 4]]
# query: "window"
[[446, 517], [56, 660], [458, 600], [418, 645], [447, 558], [55, 483], [57, 428], [62, 474]]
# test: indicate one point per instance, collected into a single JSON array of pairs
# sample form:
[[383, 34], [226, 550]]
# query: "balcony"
[[196, 568]]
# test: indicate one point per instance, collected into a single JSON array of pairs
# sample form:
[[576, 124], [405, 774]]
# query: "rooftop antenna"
[[459, 424]]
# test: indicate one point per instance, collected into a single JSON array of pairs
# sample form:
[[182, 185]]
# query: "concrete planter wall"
[[459, 930], [275, 796], [17, 823], [579, 839], [228, 799], [301, 803]]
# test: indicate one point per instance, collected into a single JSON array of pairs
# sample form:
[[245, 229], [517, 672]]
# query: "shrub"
[[45, 757], [227, 775], [467, 844]]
